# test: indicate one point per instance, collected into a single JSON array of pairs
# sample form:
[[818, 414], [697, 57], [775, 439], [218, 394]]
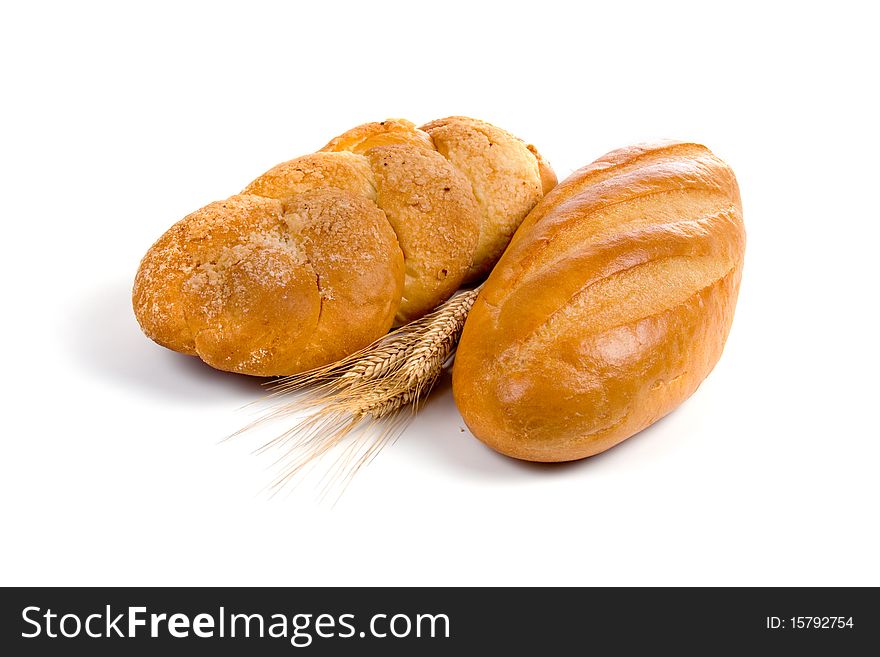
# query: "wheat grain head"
[[361, 398]]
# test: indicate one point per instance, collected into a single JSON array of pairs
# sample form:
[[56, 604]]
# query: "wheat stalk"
[[362, 396]]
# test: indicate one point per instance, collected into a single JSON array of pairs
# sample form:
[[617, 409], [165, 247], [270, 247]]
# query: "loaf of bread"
[[609, 307], [321, 255]]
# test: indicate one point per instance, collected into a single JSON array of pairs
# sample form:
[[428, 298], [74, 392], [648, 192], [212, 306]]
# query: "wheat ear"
[[362, 396]]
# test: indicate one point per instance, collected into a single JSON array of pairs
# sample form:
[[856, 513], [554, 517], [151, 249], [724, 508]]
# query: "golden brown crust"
[[250, 290], [198, 238], [358, 266], [345, 171], [610, 306], [380, 133], [505, 176], [239, 310], [548, 175], [306, 266], [435, 217]]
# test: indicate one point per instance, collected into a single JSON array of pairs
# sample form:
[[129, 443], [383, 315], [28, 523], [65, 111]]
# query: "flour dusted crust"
[[343, 171], [435, 217], [358, 266], [188, 248], [504, 174], [248, 285], [380, 133], [609, 307], [320, 255]]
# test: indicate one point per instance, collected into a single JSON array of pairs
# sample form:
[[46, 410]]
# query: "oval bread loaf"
[[321, 255], [609, 307]]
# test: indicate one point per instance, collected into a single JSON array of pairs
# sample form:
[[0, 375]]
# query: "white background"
[[118, 120]]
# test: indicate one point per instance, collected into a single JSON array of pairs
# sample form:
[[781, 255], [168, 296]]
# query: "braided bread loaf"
[[321, 255]]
